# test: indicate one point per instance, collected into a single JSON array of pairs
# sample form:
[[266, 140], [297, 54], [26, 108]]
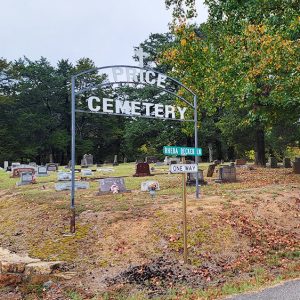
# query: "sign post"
[[184, 216], [183, 169]]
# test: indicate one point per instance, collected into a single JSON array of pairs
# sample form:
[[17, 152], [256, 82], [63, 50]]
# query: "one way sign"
[[184, 168]]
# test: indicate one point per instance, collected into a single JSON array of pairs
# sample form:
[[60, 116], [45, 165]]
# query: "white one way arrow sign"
[[184, 168]]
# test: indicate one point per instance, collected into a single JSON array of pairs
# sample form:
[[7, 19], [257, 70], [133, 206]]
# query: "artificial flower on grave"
[[152, 187], [114, 188]]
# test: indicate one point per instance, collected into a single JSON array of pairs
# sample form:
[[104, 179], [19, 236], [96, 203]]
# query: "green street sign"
[[182, 151]]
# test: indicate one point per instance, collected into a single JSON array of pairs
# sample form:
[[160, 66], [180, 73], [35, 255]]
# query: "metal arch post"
[[72, 219], [196, 143]]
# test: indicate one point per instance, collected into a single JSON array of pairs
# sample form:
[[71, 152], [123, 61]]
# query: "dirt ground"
[[240, 236]]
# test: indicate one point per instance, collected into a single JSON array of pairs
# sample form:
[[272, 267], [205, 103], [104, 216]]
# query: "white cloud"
[[103, 30]]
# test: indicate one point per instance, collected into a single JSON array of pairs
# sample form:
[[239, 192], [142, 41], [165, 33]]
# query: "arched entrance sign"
[[138, 77]]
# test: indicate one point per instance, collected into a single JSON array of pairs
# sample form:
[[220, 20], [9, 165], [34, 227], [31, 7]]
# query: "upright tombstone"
[[171, 160], [210, 152], [86, 172], [64, 176], [109, 185], [16, 171], [211, 169], [146, 185], [33, 164], [5, 165], [240, 162], [15, 164], [227, 174], [115, 163], [52, 167], [42, 171], [67, 185], [296, 165], [272, 162], [287, 162], [191, 178], [89, 159], [84, 163], [26, 178], [142, 169], [151, 159]]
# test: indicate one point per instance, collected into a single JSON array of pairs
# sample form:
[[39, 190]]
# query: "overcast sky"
[[103, 30]]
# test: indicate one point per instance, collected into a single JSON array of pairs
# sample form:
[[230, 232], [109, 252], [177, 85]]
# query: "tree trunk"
[[260, 158]]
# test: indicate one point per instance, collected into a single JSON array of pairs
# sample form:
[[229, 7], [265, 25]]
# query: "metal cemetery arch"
[[90, 87]]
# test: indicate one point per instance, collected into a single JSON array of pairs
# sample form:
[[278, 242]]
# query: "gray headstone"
[[5, 165], [171, 160], [151, 159], [89, 159], [191, 177], [61, 186], [84, 162], [15, 164], [296, 167], [227, 174], [287, 162], [146, 184], [115, 163], [211, 169], [86, 172], [33, 164], [107, 183], [52, 167], [42, 171], [64, 176], [272, 162], [105, 170], [26, 178]]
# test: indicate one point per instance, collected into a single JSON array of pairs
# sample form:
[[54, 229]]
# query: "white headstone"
[[42, 171], [64, 176], [149, 184], [86, 172], [5, 165], [61, 186]]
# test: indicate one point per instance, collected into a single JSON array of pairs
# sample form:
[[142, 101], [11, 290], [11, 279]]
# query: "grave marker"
[[16, 172], [142, 169], [272, 162], [240, 162], [296, 165], [86, 172], [287, 162], [67, 185], [106, 185], [211, 169], [26, 178], [52, 167], [146, 184], [42, 171], [227, 174], [151, 159], [115, 163], [64, 176]]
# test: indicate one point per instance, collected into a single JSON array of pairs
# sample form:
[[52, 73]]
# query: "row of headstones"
[[287, 163], [106, 185], [28, 173]]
